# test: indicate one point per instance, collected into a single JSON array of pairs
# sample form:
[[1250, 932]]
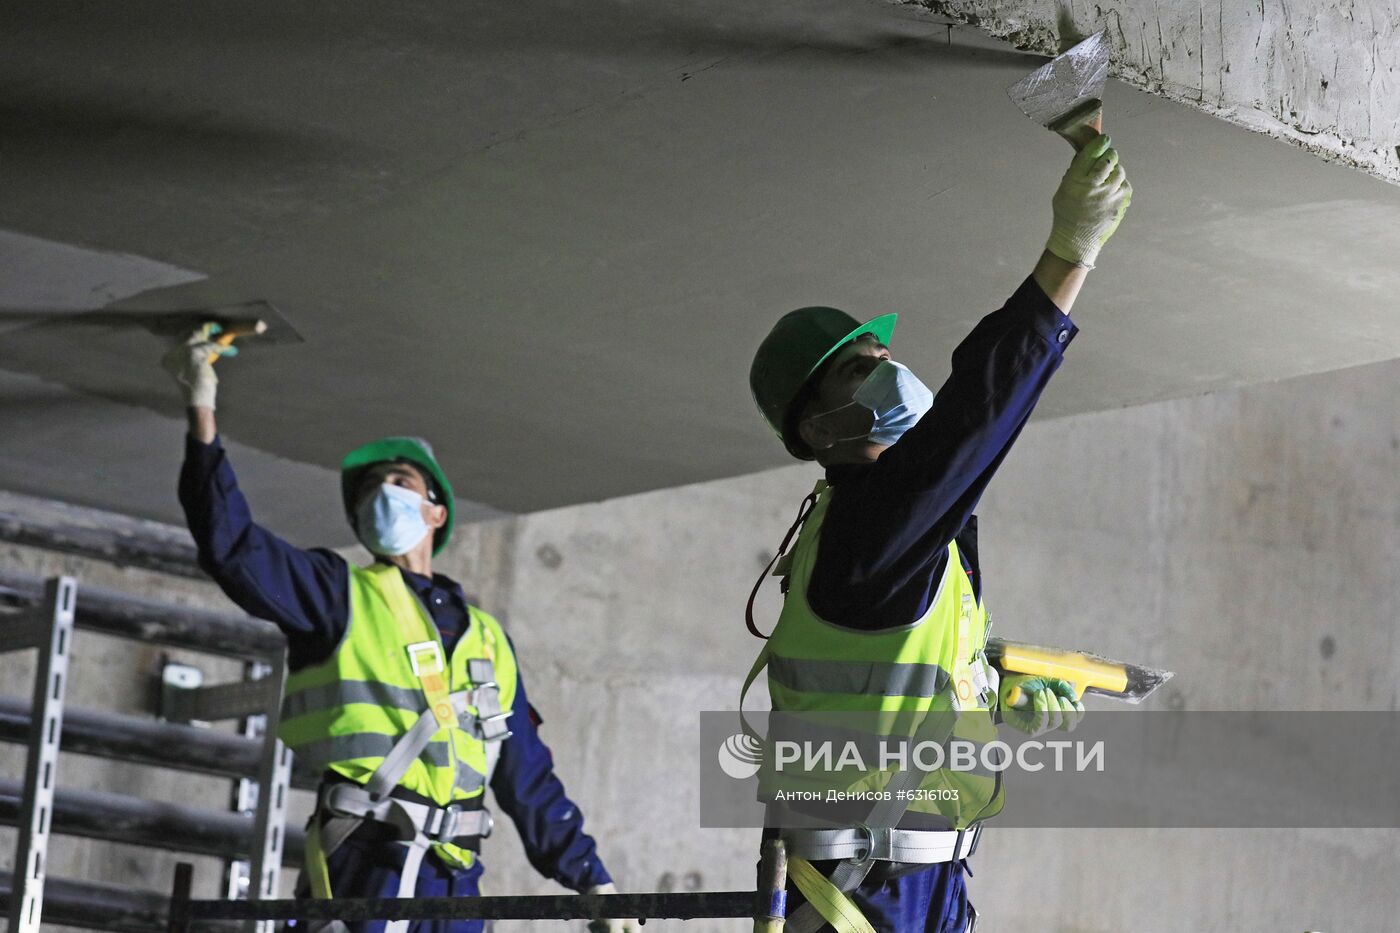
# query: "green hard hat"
[[412, 450], [792, 352]]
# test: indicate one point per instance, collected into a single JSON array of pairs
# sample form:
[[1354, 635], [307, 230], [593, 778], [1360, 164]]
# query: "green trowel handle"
[[1016, 697]]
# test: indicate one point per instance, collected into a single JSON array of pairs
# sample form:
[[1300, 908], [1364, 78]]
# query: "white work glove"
[[610, 926], [1089, 204], [1047, 703], [188, 361]]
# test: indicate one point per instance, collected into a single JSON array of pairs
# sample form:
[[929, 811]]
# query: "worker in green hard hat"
[[405, 696], [882, 609]]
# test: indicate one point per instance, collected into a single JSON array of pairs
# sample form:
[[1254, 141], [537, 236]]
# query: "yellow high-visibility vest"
[[894, 677], [346, 713]]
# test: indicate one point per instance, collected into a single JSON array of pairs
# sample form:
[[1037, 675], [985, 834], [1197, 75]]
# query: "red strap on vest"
[[803, 511]]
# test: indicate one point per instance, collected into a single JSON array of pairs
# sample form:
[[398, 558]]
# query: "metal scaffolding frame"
[[254, 845], [254, 839], [50, 631]]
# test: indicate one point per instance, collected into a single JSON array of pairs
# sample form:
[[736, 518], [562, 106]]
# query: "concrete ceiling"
[[548, 235]]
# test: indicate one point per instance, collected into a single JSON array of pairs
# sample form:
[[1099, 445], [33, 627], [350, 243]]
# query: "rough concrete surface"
[[1323, 76], [87, 447], [47, 276], [550, 241]]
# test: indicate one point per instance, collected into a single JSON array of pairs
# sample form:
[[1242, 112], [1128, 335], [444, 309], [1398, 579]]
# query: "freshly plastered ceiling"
[[549, 235]]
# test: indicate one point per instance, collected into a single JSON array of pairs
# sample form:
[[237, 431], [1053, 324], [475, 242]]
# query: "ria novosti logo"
[[740, 756]]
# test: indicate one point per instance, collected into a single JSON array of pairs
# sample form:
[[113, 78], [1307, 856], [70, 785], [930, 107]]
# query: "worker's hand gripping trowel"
[[225, 334], [1066, 95], [224, 325], [92, 351], [1086, 672]]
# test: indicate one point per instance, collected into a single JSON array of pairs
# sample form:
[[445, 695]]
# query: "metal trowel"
[[253, 321], [1066, 95], [250, 321], [114, 352]]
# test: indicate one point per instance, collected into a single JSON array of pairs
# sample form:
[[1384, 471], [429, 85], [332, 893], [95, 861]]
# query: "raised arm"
[[304, 592], [895, 517], [1059, 279], [203, 427], [1090, 202], [892, 518]]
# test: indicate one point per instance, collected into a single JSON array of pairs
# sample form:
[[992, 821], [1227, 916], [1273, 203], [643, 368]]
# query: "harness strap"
[[488, 723], [410, 818], [401, 757], [341, 808], [318, 875], [803, 511], [345, 814], [408, 878], [826, 903], [759, 663], [914, 846], [869, 840]]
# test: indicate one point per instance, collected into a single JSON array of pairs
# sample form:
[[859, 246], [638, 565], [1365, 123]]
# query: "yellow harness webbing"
[[318, 874], [835, 907]]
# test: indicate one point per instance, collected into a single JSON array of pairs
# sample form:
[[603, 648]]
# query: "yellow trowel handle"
[[228, 333], [1080, 670]]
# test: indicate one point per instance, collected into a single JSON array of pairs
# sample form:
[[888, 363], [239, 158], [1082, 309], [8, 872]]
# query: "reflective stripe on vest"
[[899, 675], [339, 692], [868, 678], [347, 712]]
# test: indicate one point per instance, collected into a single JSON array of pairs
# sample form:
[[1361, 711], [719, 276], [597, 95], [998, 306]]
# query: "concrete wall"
[[1320, 75], [1246, 540]]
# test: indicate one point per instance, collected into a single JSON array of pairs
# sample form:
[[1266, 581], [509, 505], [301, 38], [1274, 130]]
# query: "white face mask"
[[390, 522], [896, 397]]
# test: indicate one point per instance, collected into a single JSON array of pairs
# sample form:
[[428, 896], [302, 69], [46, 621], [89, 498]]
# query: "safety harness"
[[859, 847], [877, 839], [342, 807]]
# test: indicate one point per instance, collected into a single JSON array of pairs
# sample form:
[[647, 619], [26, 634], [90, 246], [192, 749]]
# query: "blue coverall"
[[884, 541], [306, 593]]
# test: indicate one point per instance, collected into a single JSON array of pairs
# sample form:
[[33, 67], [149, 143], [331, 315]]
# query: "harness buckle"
[[492, 726], [494, 729], [437, 822], [976, 830], [869, 843], [328, 798], [451, 826], [421, 651]]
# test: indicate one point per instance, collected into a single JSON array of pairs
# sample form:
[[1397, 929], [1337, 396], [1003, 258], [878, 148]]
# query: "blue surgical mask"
[[390, 522], [897, 397]]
